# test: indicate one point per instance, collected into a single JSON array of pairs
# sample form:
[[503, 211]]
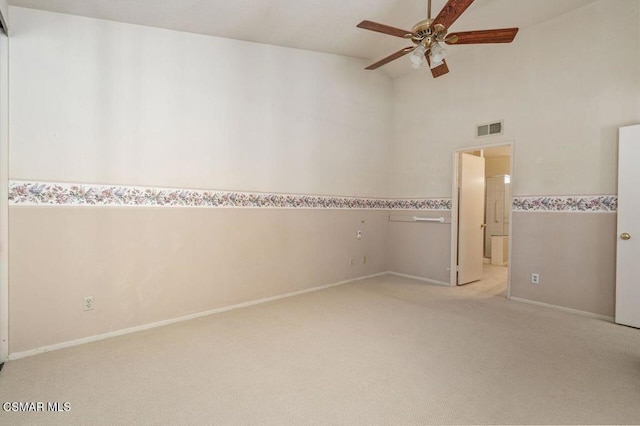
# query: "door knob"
[[625, 236], [484, 225]]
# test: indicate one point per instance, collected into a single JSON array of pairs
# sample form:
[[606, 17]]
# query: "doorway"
[[481, 217]]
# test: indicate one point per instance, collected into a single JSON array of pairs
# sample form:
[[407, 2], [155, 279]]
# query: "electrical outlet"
[[535, 279], [87, 303], [352, 261], [364, 259]]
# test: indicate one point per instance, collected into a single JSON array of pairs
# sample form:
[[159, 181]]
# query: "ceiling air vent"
[[489, 129]]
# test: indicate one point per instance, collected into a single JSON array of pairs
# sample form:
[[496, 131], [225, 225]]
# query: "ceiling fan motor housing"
[[425, 33]]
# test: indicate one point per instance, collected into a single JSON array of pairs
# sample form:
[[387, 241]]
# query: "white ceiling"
[[320, 25]]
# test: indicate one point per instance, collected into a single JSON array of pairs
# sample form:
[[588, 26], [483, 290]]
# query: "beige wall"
[[151, 264], [573, 253], [496, 166], [561, 105], [420, 249]]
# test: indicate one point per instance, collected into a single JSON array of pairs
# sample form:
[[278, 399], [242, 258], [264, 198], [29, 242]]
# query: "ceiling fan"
[[427, 36]]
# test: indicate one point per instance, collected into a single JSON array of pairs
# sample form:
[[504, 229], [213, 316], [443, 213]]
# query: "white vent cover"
[[489, 129]]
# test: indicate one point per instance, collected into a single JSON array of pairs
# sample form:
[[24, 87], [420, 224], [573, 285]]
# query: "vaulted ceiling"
[[320, 25]]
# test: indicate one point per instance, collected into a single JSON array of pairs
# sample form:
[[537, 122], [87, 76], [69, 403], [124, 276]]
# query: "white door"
[[628, 250], [470, 218]]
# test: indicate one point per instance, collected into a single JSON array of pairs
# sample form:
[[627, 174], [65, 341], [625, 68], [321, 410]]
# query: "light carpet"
[[387, 350]]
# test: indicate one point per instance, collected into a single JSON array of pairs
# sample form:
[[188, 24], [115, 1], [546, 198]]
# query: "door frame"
[[4, 197], [453, 278]]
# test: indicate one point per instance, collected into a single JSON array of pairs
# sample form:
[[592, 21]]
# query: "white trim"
[[510, 239], [4, 203], [453, 267], [102, 336], [562, 308], [414, 277]]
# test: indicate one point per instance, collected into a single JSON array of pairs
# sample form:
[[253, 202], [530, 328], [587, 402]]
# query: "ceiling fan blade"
[[504, 35], [398, 54], [452, 11], [384, 29], [439, 70]]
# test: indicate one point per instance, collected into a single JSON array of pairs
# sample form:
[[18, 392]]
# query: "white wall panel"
[[105, 102]]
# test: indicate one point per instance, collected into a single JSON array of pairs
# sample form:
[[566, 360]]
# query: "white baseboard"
[[102, 336], [564, 309], [413, 277]]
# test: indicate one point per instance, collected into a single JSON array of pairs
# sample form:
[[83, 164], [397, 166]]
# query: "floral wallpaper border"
[[64, 194], [567, 203]]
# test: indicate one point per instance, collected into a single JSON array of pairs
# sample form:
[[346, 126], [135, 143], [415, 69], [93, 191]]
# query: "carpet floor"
[[387, 350]]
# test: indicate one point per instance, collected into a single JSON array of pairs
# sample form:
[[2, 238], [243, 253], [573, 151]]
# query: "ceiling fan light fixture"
[[417, 56], [437, 54]]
